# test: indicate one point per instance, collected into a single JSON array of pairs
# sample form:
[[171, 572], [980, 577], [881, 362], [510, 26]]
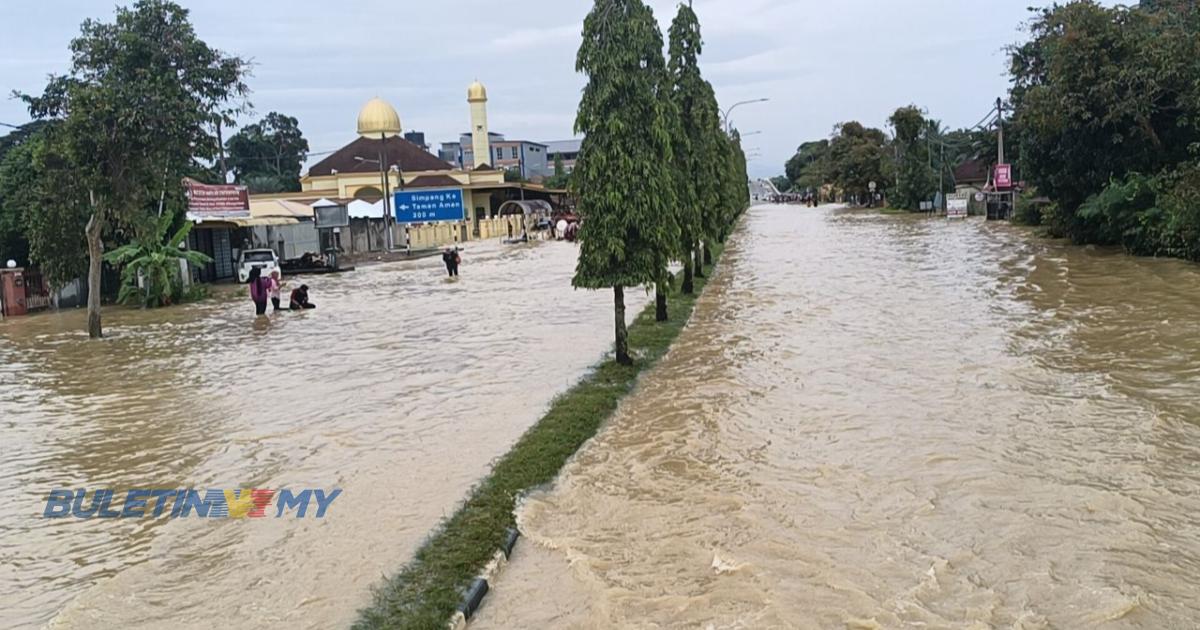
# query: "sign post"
[[429, 206], [1003, 176], [207, 201]]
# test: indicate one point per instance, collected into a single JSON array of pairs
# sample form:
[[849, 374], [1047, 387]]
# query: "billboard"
[[209, 201], [333, 216], [1003, 176], [428, 206]]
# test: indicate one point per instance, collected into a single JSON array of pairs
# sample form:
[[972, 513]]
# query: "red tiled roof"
[[407, 155], [433, 181], [971, 171]]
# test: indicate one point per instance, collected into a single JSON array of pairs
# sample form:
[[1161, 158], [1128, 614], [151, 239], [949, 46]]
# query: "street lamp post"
[[725, 114], [378, 120]]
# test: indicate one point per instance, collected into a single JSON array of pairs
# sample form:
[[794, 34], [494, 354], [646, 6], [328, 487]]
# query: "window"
[[499, 153], [514, 153]]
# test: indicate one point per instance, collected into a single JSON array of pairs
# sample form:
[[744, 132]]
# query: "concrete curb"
[[473, 597]]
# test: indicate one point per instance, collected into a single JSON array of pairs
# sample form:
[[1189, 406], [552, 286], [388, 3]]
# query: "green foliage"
[[782, 183], [1179, 199], [623, 177], [1101, 93], [40, 222], [809, 168], [267, 155], [857, 156], [18, 178], [916, 181], [1028, 210], [154, 261], [561, 179], [695, 119], [134, 113]]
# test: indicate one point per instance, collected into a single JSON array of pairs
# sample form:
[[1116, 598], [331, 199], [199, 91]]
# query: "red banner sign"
[[1003, 176], [215, 201]]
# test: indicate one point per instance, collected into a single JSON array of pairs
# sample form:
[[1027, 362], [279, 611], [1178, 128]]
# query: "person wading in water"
[[260, 290], [452, 260]]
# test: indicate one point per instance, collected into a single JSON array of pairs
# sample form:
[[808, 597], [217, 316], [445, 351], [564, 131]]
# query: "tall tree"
[[692, 144], [916, 179], [623, 177], [1102, 93], [711, 174], [267, 155], [17, 179], [36, 213], [859, 155], [134, 111]]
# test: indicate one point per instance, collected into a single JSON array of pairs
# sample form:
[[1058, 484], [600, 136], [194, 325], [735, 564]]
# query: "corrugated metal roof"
[[563, 146]]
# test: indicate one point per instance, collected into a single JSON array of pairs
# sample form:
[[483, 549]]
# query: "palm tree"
[[155, 261]]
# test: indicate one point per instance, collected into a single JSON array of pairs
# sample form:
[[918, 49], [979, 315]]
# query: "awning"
[[263, 221]]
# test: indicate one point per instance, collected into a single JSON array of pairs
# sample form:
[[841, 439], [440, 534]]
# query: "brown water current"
[[400, 389], [891, 422]]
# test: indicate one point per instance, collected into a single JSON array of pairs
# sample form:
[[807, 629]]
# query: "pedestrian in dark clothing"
[[299, 300], [260, 290], [452, 260]]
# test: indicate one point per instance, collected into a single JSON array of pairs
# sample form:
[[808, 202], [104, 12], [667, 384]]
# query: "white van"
[[264, 259]]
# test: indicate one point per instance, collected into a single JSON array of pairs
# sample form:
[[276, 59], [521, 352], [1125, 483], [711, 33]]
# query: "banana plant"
[[155, 261]]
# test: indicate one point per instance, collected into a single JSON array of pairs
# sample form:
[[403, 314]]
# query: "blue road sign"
[[427, 206]]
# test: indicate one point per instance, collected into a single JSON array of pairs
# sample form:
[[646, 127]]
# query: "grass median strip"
[[426, 592]]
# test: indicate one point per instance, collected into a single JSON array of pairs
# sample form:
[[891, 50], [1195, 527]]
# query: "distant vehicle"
[[264, 259]]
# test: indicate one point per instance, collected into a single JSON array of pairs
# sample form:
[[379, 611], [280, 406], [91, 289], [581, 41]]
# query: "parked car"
[[264, 259]]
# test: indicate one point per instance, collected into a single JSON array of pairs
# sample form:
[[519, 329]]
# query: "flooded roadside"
[[891, 421], [399, 389]]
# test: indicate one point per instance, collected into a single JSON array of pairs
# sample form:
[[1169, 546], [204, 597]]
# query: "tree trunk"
[[699, 271], [660, 302], [708, 256], [622, 332], [94, 231], [689, 285]]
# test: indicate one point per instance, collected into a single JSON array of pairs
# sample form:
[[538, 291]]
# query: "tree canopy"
[[1104, 97], [622, 177], [267, 155], [134, 113]]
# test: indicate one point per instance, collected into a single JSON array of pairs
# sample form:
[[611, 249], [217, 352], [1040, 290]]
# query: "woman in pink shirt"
[[260, 289]]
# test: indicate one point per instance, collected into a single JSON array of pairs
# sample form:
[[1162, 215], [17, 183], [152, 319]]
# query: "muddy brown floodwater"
[[891, 422], [400, 389]]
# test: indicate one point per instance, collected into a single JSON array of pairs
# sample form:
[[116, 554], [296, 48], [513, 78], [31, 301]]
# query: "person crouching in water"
[[260, 290], [300, 299], [452, 260]]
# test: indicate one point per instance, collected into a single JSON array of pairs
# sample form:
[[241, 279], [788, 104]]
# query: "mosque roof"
[[362, 156]]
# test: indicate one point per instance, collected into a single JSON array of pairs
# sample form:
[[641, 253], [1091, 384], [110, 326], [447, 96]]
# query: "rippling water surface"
[[400, 389], [891, 422]]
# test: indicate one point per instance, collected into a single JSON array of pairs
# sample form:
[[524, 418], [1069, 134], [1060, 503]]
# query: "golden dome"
[[378, 118], [476, 92]]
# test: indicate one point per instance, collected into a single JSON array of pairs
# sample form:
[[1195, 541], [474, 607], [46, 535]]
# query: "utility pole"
[[221, 154], [1000, 129]]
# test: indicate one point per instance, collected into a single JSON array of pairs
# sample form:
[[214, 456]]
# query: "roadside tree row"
[[658, 179]]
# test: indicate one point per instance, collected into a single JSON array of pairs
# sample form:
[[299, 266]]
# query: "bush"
[[1124, 213], [1179, 199], [1028, 211]]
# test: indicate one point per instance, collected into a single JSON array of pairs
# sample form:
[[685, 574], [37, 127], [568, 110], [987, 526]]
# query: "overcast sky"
[[819, 62]]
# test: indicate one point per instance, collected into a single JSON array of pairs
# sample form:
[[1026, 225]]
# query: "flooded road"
[[891, 422], [399, 389]]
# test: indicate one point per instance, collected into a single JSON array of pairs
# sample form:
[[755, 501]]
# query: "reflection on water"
[[884, 422], [400, 389]]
